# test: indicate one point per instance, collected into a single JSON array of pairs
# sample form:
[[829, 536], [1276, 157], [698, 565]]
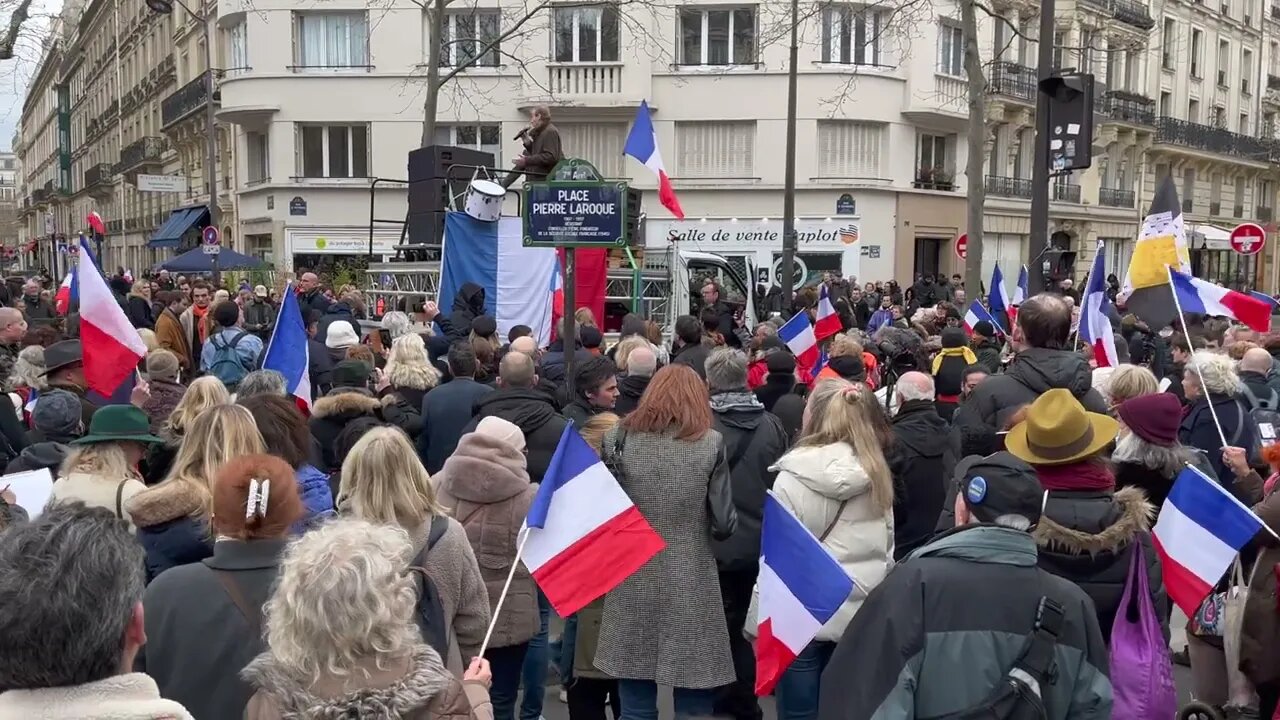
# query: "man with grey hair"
[[261, 382], [519, 401], [642, 363], [71, 584], [918, 461], [542, 149], [975, 593], [754, 441]]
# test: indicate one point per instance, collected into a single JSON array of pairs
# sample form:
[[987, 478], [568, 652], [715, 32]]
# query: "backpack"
[[1019, 695], [430, 617], [227, 365], [1265, 414]]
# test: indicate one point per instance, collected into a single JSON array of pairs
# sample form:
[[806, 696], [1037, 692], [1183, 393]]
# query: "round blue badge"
[[977, 490]]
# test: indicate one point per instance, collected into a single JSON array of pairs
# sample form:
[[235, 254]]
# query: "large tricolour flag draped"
[[515, 278], [288, 352], [828, 323], [642, 144], [998, 300], [801, 587], [1197, 296], [585, 536], [798, 335], [1201, 529], [1095, 327], [112, 347], [1162, 242]]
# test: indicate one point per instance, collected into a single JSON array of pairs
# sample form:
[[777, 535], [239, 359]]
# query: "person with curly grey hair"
[[261, 382], [1212, 387], [71, 584], [342, 640]]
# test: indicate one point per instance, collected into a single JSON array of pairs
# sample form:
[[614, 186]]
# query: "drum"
[[484, 200]]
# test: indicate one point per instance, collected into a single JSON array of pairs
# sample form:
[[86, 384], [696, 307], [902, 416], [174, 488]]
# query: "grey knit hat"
[[57, 414]]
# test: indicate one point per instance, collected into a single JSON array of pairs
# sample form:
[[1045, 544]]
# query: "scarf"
[[1083, 475], [198, 314]]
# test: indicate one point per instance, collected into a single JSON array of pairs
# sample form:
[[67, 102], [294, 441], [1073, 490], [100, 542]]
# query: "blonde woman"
[[173, 517], [101, 470], [409, 373], [202, 394], [1211, 379], [837, 482], [342, 639], [624, 348], [384, 482], [1127, 382]]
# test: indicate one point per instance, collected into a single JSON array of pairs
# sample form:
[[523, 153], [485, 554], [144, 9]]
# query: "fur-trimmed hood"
[[346, 402], [164, 502], [402, 689], [418, 377], [1089, 523], [484, 470]]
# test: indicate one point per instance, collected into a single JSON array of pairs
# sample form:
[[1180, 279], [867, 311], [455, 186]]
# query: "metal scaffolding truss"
[[401, 281]]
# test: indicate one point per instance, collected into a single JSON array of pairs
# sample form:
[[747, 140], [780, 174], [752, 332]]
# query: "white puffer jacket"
[[812, 482]]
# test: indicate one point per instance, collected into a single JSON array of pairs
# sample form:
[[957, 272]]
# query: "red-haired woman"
[[665, 625], [204, 619]]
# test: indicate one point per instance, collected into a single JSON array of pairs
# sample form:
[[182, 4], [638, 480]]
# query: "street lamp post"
[[165, 7]]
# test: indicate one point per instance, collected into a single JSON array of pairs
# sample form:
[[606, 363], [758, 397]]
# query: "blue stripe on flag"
[[572, 457], [1188, 297], [1265, 298], [801, 562], [1208, 505], [287, 353], [640, 142], [794, 327], [470, 255]]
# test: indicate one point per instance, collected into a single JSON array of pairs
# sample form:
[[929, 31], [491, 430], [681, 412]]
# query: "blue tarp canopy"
[[179, 222], [196, 261]]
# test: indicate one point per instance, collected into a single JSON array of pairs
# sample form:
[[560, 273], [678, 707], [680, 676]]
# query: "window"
[[933, 153], [1087, 40], [716, 149], [1168, 43], [237, 48], [1166, 103], [485, 138], [586, 34], [851, 35], [848, 148], [1239, 193], [1215, 193], [257, 158], [1197, 52], [465, 34], [718, 37], [1219, 117], [1224, 61], [602, 142], [1059, 43], [1244, 123], [334, 151], [950, 49], [1188, 189], [1246, 70], [332, 40], [1115, 60]]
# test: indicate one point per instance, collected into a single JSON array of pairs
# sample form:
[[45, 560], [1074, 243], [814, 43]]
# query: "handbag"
[[1207, 622], [1240, 692], [1141, 669]]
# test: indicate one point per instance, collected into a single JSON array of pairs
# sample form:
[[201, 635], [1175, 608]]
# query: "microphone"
[[523, 131]]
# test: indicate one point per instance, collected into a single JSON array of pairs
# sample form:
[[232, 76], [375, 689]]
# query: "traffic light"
[[1070, 121]]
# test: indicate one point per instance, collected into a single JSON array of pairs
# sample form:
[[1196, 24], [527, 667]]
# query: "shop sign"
[[764, 233]]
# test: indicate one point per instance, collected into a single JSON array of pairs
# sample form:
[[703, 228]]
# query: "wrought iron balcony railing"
[[1013, 80], [144, 151], [187, 100], [1113, 197], [1008, 187]]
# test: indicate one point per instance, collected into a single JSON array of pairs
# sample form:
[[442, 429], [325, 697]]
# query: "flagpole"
[[497, 607], [1187, 334]]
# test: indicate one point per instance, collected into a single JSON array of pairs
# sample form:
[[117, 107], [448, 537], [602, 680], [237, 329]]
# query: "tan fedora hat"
[[1058, 430]]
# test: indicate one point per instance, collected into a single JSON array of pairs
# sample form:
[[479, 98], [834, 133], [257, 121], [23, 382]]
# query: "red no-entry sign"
[[1248, 238], [962, 246]]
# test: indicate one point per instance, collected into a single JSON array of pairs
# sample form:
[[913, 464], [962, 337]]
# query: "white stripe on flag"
[[578, 508], [793, 625], [523, 276], [1192, 546]]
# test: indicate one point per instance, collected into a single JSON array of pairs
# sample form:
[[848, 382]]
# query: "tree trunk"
[[430, 104], [977, 140]]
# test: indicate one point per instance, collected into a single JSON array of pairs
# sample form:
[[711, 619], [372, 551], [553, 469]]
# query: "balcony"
[[1172, 131], [934, 179], [141, 154], [1262, 213], [114, 227], [1127, 107], [1133, 13], [1013, 80], [1113, 197], [97, 179], [584, 80], [1009, 187], [187, 100], [1066, 192], [1272, 95], [39, 198]]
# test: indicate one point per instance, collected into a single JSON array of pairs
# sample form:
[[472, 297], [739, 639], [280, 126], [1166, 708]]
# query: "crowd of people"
[[211, 551]]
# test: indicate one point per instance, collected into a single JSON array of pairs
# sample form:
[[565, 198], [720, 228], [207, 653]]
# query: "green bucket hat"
[[115, 423]]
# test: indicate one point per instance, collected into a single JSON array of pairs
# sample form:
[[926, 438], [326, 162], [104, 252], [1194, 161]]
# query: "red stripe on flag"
[[1100, 353], [667, 193], [1184, 587], [772, 659], [598, 562], [1249, 310], [107, 361], [827, 326]]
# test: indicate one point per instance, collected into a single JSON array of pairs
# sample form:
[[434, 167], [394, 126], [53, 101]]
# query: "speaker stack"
[[431, 184]]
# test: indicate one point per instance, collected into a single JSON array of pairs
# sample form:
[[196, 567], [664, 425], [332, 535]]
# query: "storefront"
[[835, 245], [1213, 259], [328, 248]]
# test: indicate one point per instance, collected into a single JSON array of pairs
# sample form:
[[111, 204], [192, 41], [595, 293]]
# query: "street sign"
[[962, 246], [212, 249], [1248, 238], [582, 212], [209, 235], [162, 183]]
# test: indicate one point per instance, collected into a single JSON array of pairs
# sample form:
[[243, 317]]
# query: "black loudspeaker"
[[426, 228], [432, 195], [434, 161]]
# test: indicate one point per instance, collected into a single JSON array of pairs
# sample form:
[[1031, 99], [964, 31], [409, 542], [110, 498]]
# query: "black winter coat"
[[41, 455], [468, 304], [921, 465], [260, 318], [552, 365], [988, 355], [754, 440], [534, 412], [1087, 536], [446, 412], [314, 300], [1031, 373], [338, 312], [695, 356], [332, 413], [1199, 431], [197, 639], [775, 386], [168, 527], [630, 388], [140, 313]]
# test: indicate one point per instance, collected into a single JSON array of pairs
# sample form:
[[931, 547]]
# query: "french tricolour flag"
[[976, 314], [62, 298], [288, 352], [1201, 529], [798, 334], [112, 347], [1020, 294], [828, 323], [642, 144], [1197, 296], [801, 587], [585, 534], [1095, 328], [998, 300]]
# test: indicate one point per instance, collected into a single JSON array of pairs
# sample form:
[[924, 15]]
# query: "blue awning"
[[180, 221]]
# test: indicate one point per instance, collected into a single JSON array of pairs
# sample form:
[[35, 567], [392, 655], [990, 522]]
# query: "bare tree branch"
[[10, 38]]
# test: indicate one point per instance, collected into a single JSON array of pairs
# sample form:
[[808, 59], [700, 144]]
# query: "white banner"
[[162, 183]]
